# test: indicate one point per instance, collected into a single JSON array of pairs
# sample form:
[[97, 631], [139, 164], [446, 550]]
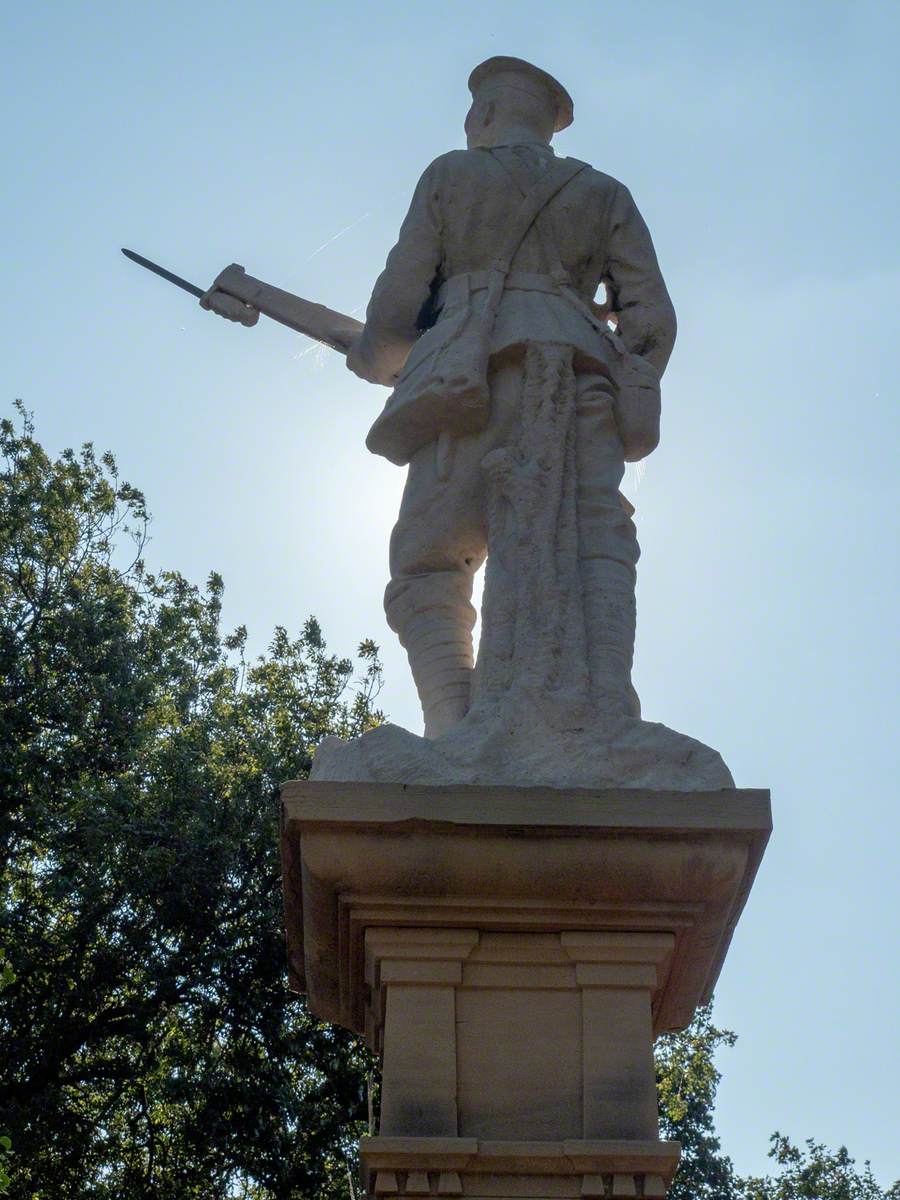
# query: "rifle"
[[239, 297]]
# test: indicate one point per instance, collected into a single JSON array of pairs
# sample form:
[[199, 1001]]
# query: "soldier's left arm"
[[640, 299], [403, 289]]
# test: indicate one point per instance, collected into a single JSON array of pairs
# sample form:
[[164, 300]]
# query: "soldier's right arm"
[[640, 299], [403, 288]]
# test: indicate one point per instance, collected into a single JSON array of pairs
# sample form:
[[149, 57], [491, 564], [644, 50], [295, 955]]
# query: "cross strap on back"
[[536, 199], [556, 271]]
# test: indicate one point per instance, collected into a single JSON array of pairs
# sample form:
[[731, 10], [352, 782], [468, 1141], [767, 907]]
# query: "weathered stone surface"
[[521, 741], [516, 410], [511, 953], [515, 860], [483, 1170]]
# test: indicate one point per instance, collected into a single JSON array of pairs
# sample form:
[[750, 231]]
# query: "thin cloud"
[[340, 233]]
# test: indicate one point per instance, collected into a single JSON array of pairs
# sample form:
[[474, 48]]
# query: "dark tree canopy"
[[149, 1044], [149, 1047]]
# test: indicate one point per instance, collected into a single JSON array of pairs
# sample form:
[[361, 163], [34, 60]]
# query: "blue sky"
[[760, 143]]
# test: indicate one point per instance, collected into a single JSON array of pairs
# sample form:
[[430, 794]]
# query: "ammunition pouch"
[[443, 388], [637, 406]]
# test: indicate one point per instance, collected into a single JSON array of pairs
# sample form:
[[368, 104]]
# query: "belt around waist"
[[458, 287]]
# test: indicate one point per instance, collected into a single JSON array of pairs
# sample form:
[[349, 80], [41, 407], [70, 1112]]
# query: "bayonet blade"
[[163, 273]]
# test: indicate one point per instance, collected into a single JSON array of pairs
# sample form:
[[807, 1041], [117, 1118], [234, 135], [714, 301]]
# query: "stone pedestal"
[[511, 954]]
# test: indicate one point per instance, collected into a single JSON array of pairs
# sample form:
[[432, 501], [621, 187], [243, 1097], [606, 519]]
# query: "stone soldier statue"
[[516, 401], [587, 232]]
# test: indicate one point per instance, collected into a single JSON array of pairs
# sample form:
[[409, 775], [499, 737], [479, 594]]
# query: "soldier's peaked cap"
[[501, 71]]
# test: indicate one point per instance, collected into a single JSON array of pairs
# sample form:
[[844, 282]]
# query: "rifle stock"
[[334, 329]]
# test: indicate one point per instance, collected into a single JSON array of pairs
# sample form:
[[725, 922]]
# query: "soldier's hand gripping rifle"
[[239, 297]]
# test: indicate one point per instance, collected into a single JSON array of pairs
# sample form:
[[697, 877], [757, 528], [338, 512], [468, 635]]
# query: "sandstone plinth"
[[511, 953]]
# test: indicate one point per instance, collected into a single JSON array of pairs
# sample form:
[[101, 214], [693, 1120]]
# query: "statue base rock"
[[524, 741], [511, 953]]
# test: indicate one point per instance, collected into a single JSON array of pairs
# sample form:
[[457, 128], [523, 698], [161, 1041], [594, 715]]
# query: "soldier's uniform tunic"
[[447, 242]]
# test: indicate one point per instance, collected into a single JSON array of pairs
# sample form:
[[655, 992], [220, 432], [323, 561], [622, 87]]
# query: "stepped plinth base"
[[511, 953], [465, 1167]]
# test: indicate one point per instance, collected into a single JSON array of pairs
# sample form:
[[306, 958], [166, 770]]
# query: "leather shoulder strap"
[[536, 199], [594, 315]]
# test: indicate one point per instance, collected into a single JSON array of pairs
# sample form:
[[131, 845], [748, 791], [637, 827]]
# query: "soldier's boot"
[[433, 618], [609, 610]]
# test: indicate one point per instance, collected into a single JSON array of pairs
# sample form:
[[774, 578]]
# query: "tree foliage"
[[7, 976], [815, 1173], [149, 1048], [686, 1081]]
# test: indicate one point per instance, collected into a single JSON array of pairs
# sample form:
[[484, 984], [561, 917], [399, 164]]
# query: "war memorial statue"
[[517, 400], [510, 908]]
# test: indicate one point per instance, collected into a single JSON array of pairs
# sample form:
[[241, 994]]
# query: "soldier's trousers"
[[440, 541]]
